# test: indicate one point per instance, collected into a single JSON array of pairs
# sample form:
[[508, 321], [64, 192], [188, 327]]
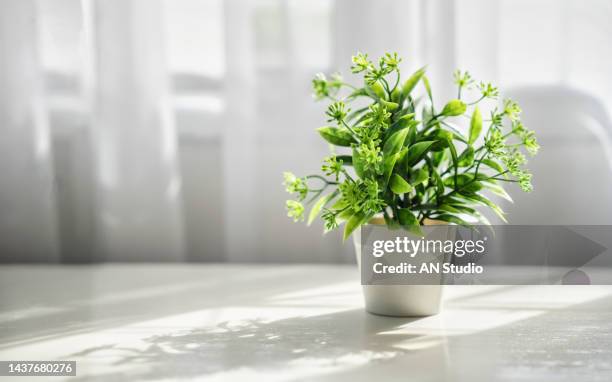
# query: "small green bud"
[[454, 108]]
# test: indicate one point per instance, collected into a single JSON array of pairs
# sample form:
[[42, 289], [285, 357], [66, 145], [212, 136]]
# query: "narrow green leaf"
[[427, 88], [462, 208], [376, 91], [470, 188], [466, 159], [454, 108], [409, 221], [475, 126], [346, 214], [353, 223], [361, 92], [406, 121], [389, 164], [498, 190], [442, 139], [453, 219], [337, 136], [448, 208], [481, 199], [419, 177], [453, 152], [493, 164], [339, 205], [396, 95], [416, 152], [395, 143], [439, 158], [399, 185], [318, 206], [412, 82], [412, 132], [462, 179], [439, 183]]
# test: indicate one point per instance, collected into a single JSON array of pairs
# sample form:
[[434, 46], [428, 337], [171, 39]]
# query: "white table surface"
[[293, 323]]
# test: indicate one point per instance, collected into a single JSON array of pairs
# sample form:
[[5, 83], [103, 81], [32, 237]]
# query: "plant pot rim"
[[379, 220]]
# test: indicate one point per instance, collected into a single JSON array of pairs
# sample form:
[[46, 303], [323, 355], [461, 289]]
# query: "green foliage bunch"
[[405, 159]]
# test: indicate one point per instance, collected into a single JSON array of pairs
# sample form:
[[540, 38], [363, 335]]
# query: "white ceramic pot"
[[399, 300]]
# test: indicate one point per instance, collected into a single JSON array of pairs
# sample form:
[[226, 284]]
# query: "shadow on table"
[[42, 303], [568, 344], [337, 340]]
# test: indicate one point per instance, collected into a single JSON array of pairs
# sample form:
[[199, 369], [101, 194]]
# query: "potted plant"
[[400, 160]]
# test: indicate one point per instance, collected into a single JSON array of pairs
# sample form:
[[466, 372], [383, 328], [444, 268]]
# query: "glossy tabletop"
[[167, 322]]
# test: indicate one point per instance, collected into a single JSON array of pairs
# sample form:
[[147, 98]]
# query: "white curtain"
[[141, 130]]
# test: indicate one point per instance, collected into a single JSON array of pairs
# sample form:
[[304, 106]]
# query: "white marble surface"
[[293, 323]]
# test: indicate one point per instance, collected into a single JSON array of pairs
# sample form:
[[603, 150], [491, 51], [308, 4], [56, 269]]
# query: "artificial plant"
[[400, 155]]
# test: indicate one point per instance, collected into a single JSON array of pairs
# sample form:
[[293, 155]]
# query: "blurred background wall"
[[158, 130]]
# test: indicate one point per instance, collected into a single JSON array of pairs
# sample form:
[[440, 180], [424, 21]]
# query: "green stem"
[[352, 131], [397, 80], [475, 102]]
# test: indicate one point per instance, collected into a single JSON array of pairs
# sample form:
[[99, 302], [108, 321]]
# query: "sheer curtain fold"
[[248, 89], [134, 140], [28, 225]]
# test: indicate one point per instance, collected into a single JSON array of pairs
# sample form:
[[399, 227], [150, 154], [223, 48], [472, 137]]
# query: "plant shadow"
[[334, 340]]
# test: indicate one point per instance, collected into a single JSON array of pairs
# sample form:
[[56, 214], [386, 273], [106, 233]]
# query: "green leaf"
[[353, 223], [389, 164], [412, 132], [358, 164], [483, 219], [340, 204], [318, 206], [346, 214], [439, 183], [448, 208], [412, 82], [439, 158], [466, 159], [419, 177], [399, 185], [361, 92], [376, 91], [498, 190], [465, 183], [406, 121], [453, 219], [395, 143], [409, 221], [470, 188], [347, 160], [442, 139], [416, 152], [454, 108], [389, 105], [453, 152], [462, 179], [494, 165], [475, 125], [396, 95], [428, 89], [481, 199], [338, 136], [462, 208]]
